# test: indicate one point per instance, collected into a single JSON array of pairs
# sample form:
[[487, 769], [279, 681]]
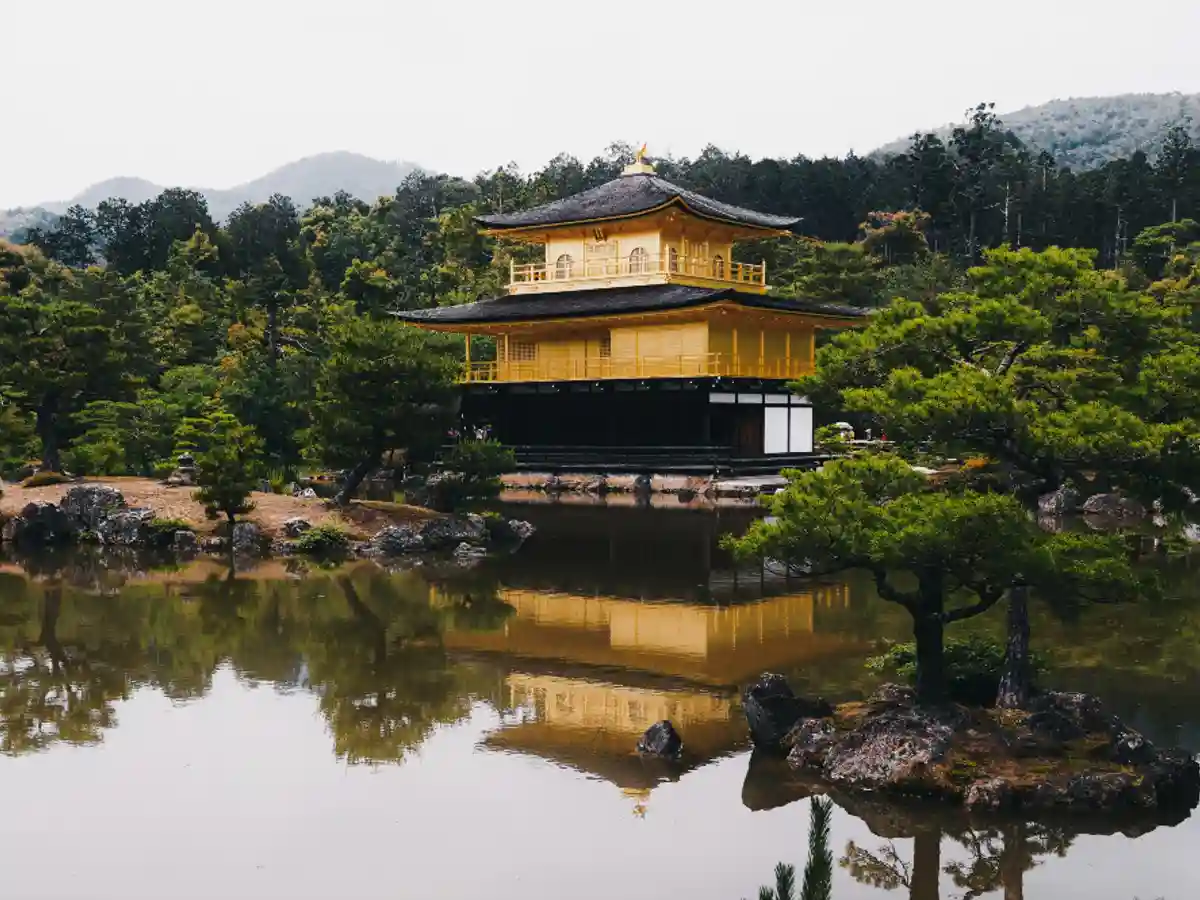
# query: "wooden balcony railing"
[[601, 269], [701, 365]]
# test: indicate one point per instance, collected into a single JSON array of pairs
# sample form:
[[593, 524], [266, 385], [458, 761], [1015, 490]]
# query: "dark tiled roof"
[[626, 196], [611, 301]]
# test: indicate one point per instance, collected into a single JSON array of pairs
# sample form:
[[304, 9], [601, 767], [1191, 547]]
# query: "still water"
[[442, 733]]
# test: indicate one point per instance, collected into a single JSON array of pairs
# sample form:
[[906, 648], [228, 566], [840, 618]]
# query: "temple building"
[[638, 336]]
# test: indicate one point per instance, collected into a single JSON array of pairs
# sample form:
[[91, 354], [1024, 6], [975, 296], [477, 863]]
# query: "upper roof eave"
[[627, 197]]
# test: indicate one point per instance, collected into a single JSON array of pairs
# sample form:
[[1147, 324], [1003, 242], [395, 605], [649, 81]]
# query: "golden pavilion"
[[639, 335]]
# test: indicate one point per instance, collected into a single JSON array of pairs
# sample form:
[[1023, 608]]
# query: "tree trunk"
[[48, 433], [927, 866], [929, 633], [1016, 681], [52, 605], [353, 480], [1012, 864]]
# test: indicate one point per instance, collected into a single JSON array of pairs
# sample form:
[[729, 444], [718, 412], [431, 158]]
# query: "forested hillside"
[[120, 326], [1087, 132]]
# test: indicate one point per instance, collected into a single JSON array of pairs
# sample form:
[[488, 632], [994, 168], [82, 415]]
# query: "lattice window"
[[522, 351], [639, 261], [718, 266], [673, 259], [564, 266], [606, 346]]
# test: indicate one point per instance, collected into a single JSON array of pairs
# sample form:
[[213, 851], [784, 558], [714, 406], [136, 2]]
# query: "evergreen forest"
[[125, 328]]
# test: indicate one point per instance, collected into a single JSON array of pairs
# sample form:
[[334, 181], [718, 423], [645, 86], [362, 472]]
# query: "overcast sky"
[[218, 92]]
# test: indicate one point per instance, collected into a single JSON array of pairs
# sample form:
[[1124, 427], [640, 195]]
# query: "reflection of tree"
[[383, 680], [51, 692], [1001, 857], [368, 643], [888, 870]]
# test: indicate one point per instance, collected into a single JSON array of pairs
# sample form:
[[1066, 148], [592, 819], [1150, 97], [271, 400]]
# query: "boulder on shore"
[[246, 539], [87, 505], [296, 526], [772, 710], [1066, 755], [1061, 502], [510, 531], [395, 540], [662, 740], [1113, 506], [39, 523], [127, 527]]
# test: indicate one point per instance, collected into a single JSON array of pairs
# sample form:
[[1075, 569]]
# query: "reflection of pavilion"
[[710, 646], [587, 675], [608, 635]]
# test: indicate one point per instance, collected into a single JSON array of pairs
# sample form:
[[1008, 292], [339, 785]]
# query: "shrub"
[[96, 454], [832, 440], [43, 479], [323, 540], [973, 667], [161, 532], [471, 471]]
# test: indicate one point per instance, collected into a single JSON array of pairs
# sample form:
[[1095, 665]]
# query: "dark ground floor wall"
[[740, 419]]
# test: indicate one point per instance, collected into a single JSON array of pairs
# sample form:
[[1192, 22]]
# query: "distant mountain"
[[1087, 132], [303, 180]]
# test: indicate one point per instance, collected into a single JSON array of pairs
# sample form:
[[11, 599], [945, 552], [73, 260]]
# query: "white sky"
[[218, 92]]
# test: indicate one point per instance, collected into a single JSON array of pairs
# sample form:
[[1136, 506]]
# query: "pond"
[[186, 732]]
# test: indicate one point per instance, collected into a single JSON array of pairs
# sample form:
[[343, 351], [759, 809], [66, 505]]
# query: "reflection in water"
[[608, 621]]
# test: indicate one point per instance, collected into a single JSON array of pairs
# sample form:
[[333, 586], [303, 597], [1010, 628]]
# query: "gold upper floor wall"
[[662, 248]]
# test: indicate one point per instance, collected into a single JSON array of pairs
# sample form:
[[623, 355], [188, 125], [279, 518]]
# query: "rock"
[[1057, 503], [296, 526], [395, 540], [1131, 748], [1113, 506], [448, 532], [809, 743], [307, 494], [662, 740], [264, 486], [127, 528], [990, 795], [185, 461], [180, 478], [892, 750], [214, 545], [620, 484], [39, 523], [247, 539], [643, 484], [893, 695], [184, 542], [597, 486], [87, 505], [1053, 724], [772, 710], [510, 531], [554, 485], [1191, 533], [1084, 711], [469, 551]]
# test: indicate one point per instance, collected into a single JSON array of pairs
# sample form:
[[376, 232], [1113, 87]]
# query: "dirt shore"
[[270, 512]]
